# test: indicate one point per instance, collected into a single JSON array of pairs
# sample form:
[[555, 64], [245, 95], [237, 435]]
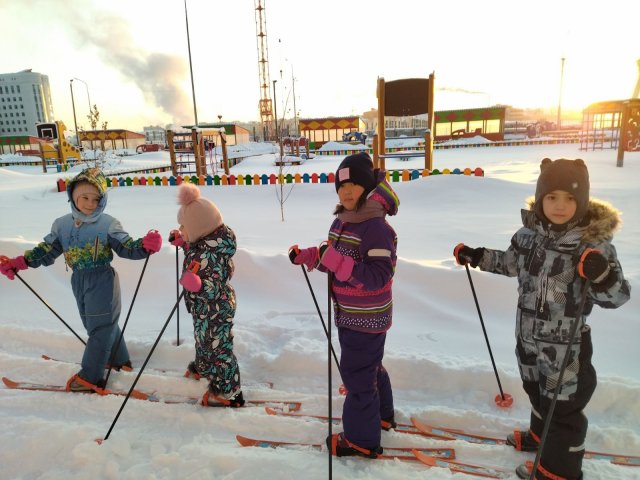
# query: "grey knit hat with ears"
[[569, 176]]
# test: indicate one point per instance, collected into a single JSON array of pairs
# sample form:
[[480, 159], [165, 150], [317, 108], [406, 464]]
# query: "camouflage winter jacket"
[[545, 262]]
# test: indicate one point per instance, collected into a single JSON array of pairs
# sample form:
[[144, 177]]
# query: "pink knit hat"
[[198, 216]]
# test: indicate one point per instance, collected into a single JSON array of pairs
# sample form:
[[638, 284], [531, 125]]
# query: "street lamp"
[[87, 87], [275, 109], [73, 104]]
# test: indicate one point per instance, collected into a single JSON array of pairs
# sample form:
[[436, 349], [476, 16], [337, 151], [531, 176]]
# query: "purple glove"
[[190, 281], [152, 242], [341, 265], [307, 256], [9, 266], [175, 238]]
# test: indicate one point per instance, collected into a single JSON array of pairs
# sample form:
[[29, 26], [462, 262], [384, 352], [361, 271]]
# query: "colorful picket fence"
[[264, 179]]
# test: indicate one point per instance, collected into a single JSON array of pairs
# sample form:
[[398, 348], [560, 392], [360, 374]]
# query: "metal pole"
[[73, 104], [193, 89], [87, 87], [275, 109], [295, 115], [559, 122]]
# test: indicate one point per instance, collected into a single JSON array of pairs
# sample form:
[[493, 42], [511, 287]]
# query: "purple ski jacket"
[[364, 302]]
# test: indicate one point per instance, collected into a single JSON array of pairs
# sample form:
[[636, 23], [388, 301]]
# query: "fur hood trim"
[[604, 220]]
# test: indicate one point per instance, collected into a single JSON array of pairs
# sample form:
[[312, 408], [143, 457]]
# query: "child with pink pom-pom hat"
[[209, 246]]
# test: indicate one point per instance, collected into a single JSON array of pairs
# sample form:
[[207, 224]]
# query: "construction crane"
[[265, 105]]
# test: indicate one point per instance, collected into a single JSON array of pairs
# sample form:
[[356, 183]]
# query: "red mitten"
[[306, 256], [152, 242], [339, 264], [191, 282], [9, 266], [175, 238]]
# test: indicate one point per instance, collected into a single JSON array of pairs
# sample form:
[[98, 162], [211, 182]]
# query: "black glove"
[[593, 266], [469, 255]]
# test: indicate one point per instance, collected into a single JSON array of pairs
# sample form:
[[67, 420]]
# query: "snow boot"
[[126, 366], [524, 471], [212, 398], [192, 371], [523, 441], [388, 423], [78, 384], [341, 447]]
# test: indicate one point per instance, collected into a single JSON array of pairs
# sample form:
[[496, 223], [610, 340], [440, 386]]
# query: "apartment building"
[[25, 100]]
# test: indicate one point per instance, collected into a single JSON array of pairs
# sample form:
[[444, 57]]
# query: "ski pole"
[[504, 399], [124, 326], [324, 326], [329, 352], [556, 391], [133, 385], [4, 259], [177, 292]]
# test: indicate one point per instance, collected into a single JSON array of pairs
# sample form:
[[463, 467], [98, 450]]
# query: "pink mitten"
[[175, 238], [152, 242], [190, 281], [9, 266], [341, 265], [307, 257]]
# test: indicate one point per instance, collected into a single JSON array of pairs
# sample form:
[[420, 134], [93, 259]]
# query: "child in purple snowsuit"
[[361, 255]]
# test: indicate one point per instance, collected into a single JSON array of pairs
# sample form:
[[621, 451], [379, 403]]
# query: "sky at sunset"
[[132, 59]]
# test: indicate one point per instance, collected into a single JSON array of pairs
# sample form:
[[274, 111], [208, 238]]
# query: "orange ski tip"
[[9, 383], [139, 395], [244, 441], [46, 357], [424, 458], [99, 441], [270, 411]]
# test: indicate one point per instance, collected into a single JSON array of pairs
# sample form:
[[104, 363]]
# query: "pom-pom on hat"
[[567, 175], [198, 216]]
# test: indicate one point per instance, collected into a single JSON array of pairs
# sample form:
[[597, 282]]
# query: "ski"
[[459, 467], [63, 388], [455, 434], [389, 453], [164, 371], [285, 405], [400, 428]]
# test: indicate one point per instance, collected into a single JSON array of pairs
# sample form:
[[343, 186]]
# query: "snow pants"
[[564, 446], [214, 346], [97, 292], [369, 395]]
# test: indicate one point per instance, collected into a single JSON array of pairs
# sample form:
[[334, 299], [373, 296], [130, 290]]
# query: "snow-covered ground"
[[436, 353]]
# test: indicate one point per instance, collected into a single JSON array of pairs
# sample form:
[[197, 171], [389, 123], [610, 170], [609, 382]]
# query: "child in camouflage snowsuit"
[[566, 238], [209, 246], [88, 237]]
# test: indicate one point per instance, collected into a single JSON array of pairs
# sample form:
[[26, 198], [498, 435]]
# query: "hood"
[[95, 177], [601, 221], [384, 194]]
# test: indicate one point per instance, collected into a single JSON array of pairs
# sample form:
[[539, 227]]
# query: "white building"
[[25, 100]]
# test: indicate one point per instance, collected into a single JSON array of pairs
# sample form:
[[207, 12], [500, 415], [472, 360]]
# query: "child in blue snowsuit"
[[88, 237], [361, 257]]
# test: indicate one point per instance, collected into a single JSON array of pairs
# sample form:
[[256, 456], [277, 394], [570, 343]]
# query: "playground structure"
[[54, 147], [355, 137], [404, 98], [614, 125], [188, 152], [290, 151]]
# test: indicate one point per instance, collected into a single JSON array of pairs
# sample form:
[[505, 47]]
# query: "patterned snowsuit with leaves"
[[545, 261], [213, 309]]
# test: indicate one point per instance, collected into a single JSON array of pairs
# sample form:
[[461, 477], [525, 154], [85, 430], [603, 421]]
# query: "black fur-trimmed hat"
[[567, 175], [358, 169]]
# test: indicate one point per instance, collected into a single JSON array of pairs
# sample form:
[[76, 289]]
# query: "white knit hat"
[[198, 216]]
